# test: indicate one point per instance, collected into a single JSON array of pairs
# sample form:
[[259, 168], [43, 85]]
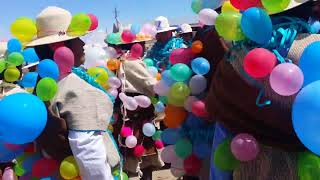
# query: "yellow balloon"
[[227, 7], [69, 168], [24, 29], [228, 25], [100, 75], [11, 74]]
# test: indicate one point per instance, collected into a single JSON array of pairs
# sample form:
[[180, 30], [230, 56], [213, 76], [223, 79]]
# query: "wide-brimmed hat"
[[162, 24], [185, 28], [52, 25]]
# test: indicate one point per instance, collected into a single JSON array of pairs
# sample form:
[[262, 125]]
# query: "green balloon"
[[15, 59], [116, 174], [173, 100], [275, 6], [46, 89], [308, 166], [11, 74], [163, 99], [157, 135], [148, 62], [180, 72], [114, 38], [2, 65], [228, 25], [79, 25], [183, 148], [196, 6], [223, 157], [180, 90]]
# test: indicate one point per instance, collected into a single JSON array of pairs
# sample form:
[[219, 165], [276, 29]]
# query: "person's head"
[[164, 29], [185, 32], [187, 37], [164, 36]]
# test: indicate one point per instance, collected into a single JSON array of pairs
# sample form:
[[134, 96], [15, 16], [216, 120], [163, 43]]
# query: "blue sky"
[[131, 11]]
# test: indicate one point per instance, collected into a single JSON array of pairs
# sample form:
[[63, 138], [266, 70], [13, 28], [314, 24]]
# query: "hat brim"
[[135, 41], [51, 39], [167, 29]]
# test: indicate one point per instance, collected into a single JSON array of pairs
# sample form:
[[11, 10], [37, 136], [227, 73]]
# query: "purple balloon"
[[244, 147], [286, 79], [161, 88]]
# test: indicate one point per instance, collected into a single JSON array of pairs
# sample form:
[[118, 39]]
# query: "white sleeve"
[[89, 151]]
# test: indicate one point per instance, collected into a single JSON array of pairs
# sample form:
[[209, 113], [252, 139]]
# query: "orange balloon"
[[77, 178], [197, 47], [158, 76], [174, 116], [113, 64]]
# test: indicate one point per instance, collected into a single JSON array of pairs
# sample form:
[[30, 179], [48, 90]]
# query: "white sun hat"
[[185, 28], [162, 24], [52, 25]]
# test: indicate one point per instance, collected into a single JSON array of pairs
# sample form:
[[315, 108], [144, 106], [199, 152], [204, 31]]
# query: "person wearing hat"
[[80, 113], [233, 106], [166, 43], [186, 33]]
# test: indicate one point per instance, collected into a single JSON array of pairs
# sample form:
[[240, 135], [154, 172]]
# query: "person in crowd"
[[186, 33]]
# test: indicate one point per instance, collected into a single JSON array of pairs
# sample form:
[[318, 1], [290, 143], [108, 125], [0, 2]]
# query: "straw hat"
[[163, 25], [185, 28], [52, 25]]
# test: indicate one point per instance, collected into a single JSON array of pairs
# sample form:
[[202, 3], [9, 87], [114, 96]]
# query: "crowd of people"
[[235, 97]]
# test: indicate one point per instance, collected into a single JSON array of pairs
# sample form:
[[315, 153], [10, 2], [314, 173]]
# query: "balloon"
[[183, 148], [309, 63], [148, 129], [202, 150], [15, 59], [161, 88], [192, 165], [28, 163], [170, 135], [136, 51], [200, 66], [48, 68], [11, 74], [259, 62], [14, 45], [196, 6], [199, 109], [8, 174], [286, 79], [180, 90], [126, 131], [275, 6], [3, 65], [29, 80], [129, 102], [138, 151], [228, 25], [245, 4], [94, 22], [64, 58], [131, 141], [256, 17], [308, 166], [158, 144], [197, 84], [143, 101], [152, 70], [180, 72], [244, 147], [163, 99], [208, 16], [148, 62], [120, 176], [30, 55], [79, 25], [24, 29], [46, 89], [114, 82], [188, 103], [26, 107], [159, 107], [157, 135], [127, 36], [26, 177], [149, 29], [167, 154], [212, 4], [99, 74], [135, 29], [69, 168], [114, 38], [7, 154], [167, 78], [94, 56], [223, 157], [227, 7], [182, 55], [44, 168], [197, 47], [113, 64], [176, 101]]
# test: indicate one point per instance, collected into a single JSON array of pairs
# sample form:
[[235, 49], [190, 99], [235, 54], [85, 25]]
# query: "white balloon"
[[167, 154], [143, 101], [94, 56], [148, 129], [131, 141], [197, 84], [188, 103], [130, 103], [208, 16], [161, 88], [153, 71], [114, 82], [113, 92]]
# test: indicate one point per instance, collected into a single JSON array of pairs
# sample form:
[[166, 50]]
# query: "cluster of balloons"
[[132, 103], [82, 23]]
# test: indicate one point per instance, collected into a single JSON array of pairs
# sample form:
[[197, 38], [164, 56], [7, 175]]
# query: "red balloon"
[[138, 151], [199, 109], [159, 144], [182, 55], [127, 36], [245, 4], [94, 22], [259, 62], [44, 168], [192, 165], [136, 51]]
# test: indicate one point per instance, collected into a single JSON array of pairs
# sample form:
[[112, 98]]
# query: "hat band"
[[50, 33]]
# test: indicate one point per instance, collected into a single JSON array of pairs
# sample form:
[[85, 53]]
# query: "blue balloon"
[[14, 45], [23, 117], [48, 68], [29, 80], [193, 122], [28, 163], [159, 107], [310, 63], [135, 29], [6, 155], [166, 77], [305, 116], [202, 150], [200, 66], [30, 55], [170, 136], [256, 25]]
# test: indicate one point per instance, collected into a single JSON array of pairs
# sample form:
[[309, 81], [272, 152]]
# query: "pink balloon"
[[143, 101], [131, 141], [159, 144], [127, 36], [161, 88], [182, 55], [189, 102], [138, 151], [114, 82], [130, 103], [94, 22], [167, 154], [8, 174], [136, 51], [199, 109], [64, 58], [286, 79], [244, 147], [149, 29], [113, 92], [126, 131]]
